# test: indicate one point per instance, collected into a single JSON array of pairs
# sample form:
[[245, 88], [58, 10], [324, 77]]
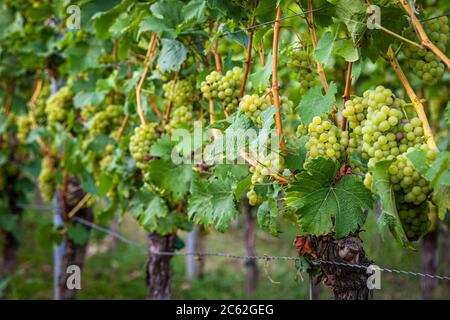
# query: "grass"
[[117, 271]]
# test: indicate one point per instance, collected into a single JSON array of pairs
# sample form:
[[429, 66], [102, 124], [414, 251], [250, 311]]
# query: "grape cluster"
[[104, 122], [58, 105], [253, 197], [180, 116], [266, 165], [384, 127], [379, 127], [141, 142], [87, 112], [425, 64], [253, 105], [180, 92], [300, 59], [37, 110], [46, 180], [414, 220], [224, 88], [325, 140], [24, 127]]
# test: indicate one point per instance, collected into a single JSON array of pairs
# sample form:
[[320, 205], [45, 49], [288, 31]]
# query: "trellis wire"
[[245, 257]]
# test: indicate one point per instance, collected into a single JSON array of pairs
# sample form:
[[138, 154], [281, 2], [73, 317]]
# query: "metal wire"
[[245, 257], [270, 22]]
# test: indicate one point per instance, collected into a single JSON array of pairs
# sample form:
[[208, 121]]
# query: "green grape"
[[253, 105], [304, 62], [266, 165], [58, 105], [180, 116], [24, 127], [106, 121], [89, 111], [325, 140], [180, 92], [425, 64], [253, 198], [414, 219], [37, 110], [223, 88], [46, 179], [141, 142]]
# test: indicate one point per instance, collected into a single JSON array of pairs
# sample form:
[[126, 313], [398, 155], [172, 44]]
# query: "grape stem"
[[320, 71], [155, 107], [426, 42], [36, 92], [253, 163], [346, 95], [396, 35], [9, 94], [275, 88], [216, 54], [248, 60], [170, 103], [148, 59], [122, 127], [418, 106]]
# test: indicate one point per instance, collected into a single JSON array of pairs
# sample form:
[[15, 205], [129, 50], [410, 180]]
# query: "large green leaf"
[[314, 103], [354, 15], [212, 203], [173, 178], [148, 208], [173, 54], [319, 200], [382, 187]]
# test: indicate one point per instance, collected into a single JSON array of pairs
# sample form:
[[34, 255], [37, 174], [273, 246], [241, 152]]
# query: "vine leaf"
[[325, 47], [194, 10], [260, 78], [438, 173], [268, 216], [382, 187], [77, 233], [314, 103], [172, 55], [212, 203], [354, 15], [318, 200], [170, 177], [148, 208]]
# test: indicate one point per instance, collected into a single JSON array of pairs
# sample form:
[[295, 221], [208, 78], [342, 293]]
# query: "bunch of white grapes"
[[266, 165], [24, 126], [379, 127], [180, 116], [253, 105], [106, 121], [141, 142], [425, 64], [253, 197], [306, 68], [325, 140], [223, 88], [179, 92], [46, 179], [58, 105]]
